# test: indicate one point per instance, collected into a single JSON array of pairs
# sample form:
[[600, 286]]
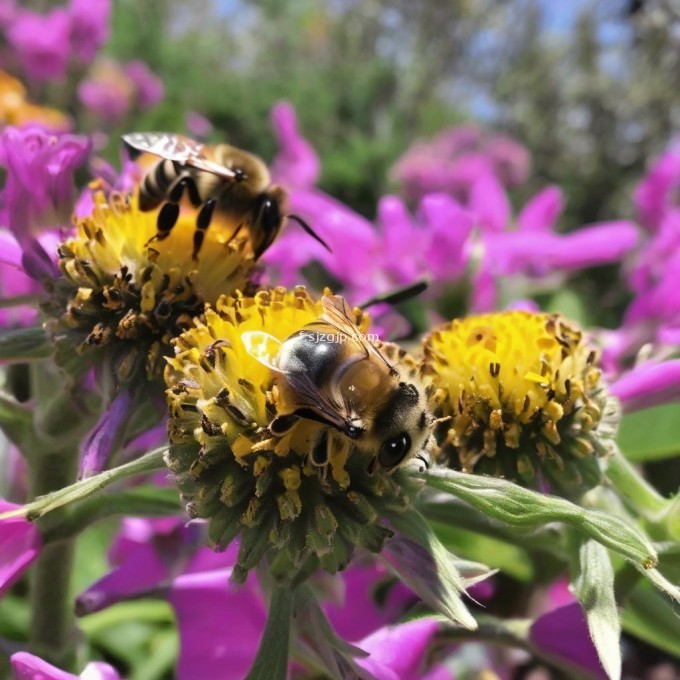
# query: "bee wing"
[[339, 314], [176, 148], [262, 347], [164, 144], [310, 402]]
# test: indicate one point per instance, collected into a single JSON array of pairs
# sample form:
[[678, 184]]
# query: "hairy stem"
[[52, 617]]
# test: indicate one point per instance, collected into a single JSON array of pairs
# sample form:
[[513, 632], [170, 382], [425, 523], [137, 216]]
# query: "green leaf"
[[428, 568], [568, 303], [43, 505], [16, 421], [25, 344], [271, 662], [517, 506], [594, 589], [149, 611], [141, 501], [651, 434], [162, 659], [510, 559], [652, 618]]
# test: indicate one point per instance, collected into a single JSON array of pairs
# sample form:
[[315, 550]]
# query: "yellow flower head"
[[266, 488], [521, 392], [126, 292]]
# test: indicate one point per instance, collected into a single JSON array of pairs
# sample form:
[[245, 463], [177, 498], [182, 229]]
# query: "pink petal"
[[490, 204], [542, 211]]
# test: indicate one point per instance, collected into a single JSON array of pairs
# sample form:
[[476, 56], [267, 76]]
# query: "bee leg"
[[320, 454], [167, 218], [188, 184], [202, 224]]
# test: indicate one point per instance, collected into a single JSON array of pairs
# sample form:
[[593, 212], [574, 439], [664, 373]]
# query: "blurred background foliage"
[[592, 88]]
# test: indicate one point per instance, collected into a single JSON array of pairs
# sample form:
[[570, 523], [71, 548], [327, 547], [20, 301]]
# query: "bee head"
[[401, 426]]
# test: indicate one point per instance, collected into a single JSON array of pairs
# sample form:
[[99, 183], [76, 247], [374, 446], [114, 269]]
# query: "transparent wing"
[[339, 314], [262, 347], [164, 144], [309, 401], [176, 148]]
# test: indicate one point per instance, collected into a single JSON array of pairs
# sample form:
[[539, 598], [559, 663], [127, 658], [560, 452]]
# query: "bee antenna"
[[310, 231], [436, 421], [397, 295]]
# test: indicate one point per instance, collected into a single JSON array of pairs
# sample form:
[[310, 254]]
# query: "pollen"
[[287, 509], [523, 398], [126, 292]]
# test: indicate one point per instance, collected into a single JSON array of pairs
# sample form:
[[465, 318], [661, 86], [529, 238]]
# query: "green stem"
[[144, 501], [271, 662], [634, 488], [52, 617]]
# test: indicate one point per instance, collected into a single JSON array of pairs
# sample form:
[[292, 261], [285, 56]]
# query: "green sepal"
[[427, 567], [652, 618], [271, 662], [594, 589], [25, 344]]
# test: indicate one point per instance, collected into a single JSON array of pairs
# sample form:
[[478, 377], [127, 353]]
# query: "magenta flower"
[[456, 158], [654, 194], [27, 666], [356, 613], [41, 43], [530, 247], [149, 89], [20, 544], [147, 555], [445, 239], [89, 27], [38, 191], [207, 601], [654, 314], [14, 282], [297, 165], [197, 125], [563, 632], [108, 92], [649, 384], [8, 9], [164, 557], [399, 652]]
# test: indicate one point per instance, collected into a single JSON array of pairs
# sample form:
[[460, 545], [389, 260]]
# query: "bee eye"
[[392, 451]]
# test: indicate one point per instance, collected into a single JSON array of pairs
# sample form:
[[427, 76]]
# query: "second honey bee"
[[328, 372], [221, 178]]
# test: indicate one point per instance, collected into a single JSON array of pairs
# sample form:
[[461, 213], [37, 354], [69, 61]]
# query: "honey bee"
[[220, 178], [329, 372]]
